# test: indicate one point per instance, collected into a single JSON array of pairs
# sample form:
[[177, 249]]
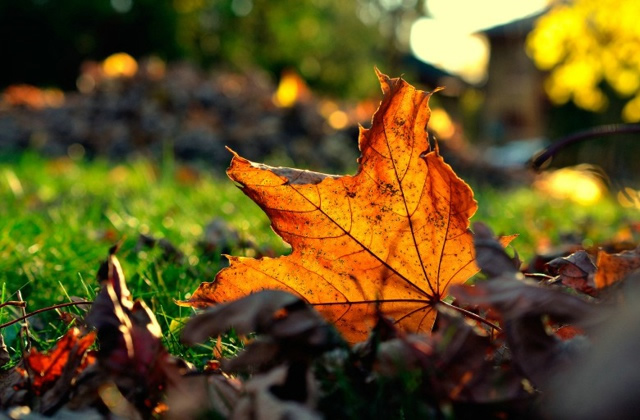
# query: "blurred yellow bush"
[[584, 43]]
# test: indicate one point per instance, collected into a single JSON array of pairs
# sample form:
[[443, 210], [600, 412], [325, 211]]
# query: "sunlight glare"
[[446, 47], [471, 15], [450, 40]]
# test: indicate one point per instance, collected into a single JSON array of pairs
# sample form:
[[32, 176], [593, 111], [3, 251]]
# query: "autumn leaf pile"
[[368, 317]]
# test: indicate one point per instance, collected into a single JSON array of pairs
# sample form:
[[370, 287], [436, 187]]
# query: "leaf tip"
[[385, 81], [233, 152]]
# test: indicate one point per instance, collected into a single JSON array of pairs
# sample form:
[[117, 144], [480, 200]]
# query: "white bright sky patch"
[[448, 40]]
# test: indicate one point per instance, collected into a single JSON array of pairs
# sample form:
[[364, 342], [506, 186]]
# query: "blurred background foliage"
[[322, 39], [331, 43], [46, 40], [517, 74]]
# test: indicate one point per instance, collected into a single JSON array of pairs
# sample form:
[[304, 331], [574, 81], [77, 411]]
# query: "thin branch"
[[538, 276], [603, 130], [18, 303], [471, 315], [50, 308]]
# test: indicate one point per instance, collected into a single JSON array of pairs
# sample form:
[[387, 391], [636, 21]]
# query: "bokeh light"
[[291, 89], [440, 123], [579, 184], [120, 65], [33, 97]]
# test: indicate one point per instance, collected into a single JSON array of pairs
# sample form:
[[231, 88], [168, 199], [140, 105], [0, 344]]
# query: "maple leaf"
[[394, 236]]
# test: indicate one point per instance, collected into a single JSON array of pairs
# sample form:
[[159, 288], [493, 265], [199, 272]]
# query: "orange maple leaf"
[[395, 236]]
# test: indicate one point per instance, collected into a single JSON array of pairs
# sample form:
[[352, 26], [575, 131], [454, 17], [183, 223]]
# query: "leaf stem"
[[49, 308], [471, 315]]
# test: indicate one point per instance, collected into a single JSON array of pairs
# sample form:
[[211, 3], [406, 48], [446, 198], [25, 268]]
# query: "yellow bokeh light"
[[338, 120], [578, 184], [441, 124], [120, 65], [625, 81], [291, 89], [591, 99], [327, 107], [631, 111]]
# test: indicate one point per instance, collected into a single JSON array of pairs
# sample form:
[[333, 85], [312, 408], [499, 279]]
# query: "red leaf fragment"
[[47, 368]]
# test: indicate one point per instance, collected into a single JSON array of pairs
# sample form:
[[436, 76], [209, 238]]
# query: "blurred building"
[[514, 100]]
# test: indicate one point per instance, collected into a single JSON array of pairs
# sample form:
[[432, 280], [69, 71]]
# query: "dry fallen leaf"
[[604, 382], [524, 308], [575, 271], [394, 236], [614, 267], [491, 257], [288, 330]]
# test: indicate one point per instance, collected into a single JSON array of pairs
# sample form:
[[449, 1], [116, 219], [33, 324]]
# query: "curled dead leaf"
[[575, 271], [131, 354], [491, 257], [288, 329]]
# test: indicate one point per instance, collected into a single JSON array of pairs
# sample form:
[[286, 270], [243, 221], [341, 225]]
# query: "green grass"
[[543, 222], [59, 217]]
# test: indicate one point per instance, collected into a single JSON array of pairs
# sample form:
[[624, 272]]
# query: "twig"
[[603, 130], [25, 336], [471, 315], [538, 276], [50, 308], [18, 303]]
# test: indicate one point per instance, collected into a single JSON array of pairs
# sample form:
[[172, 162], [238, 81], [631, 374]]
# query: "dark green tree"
[[45, 41]]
